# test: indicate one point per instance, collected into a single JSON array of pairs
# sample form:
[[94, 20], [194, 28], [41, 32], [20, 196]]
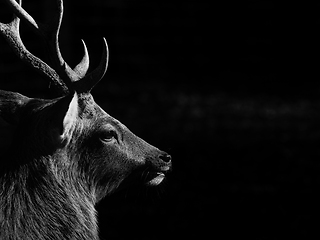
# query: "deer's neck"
[[35, 205]]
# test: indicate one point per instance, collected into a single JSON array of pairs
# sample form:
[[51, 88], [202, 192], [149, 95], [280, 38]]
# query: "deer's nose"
[[165, 157]]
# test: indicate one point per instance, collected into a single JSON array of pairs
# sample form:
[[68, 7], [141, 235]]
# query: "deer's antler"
[[60, 72]]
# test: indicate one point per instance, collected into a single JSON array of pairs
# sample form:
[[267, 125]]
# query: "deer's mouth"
[[150, 174], [155, 178]]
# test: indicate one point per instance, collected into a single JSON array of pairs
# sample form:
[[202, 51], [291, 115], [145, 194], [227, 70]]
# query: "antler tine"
[[11, 33], [21, 13], [86, 84], [82, 68], [53, 39], [50, 33]]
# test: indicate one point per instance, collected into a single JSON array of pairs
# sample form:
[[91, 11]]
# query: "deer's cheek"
[[134, 158], [124, 154], [114, 158]]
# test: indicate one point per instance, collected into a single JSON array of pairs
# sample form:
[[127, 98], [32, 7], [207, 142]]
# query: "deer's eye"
[[108, 135]]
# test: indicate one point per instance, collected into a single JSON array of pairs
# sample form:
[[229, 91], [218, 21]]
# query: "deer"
[[66, 153]]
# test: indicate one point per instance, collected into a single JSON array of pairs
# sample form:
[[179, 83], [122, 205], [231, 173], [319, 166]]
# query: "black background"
[[230, 90]]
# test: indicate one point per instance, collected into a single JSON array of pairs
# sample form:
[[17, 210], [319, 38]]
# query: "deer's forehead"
[[91, 110], [88, 107]]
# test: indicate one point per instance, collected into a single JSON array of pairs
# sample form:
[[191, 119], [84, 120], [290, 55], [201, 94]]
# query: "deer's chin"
[[157, 179]]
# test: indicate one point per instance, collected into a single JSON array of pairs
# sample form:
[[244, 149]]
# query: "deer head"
[[71, 139]]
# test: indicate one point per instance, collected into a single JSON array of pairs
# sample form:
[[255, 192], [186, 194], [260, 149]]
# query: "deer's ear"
[[11, 106], [70, 117], [66, 114]]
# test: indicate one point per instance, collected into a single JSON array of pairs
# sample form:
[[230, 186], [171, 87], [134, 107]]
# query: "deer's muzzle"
[[156, 169]]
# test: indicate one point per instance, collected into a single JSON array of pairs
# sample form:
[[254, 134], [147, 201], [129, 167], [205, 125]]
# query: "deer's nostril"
[[165, 157]]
